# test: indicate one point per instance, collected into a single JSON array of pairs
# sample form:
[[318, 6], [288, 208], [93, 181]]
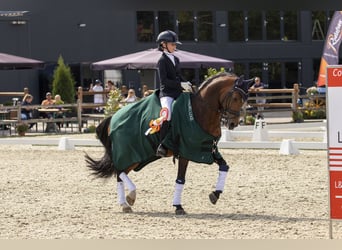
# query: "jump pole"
[[334, 136]]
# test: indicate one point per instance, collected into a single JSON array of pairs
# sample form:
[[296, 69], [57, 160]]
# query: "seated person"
[[46, 102], [131, 97], [26, 111], [58, 101]]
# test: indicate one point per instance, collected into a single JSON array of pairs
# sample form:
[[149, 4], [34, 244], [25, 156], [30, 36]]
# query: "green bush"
[[63, 82], [297, 116], [314, 114], [113, 102], [249, 120], [213, 71]]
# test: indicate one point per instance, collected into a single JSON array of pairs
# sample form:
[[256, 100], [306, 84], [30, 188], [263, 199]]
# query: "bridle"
[[226, 112]]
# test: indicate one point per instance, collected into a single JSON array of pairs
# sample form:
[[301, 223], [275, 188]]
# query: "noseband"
[[225, 110]]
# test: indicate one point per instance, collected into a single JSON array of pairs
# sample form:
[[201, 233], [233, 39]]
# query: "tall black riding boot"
[[161, 150]]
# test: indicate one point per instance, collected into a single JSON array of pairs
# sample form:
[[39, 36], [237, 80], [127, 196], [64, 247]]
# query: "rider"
[[171, 81]]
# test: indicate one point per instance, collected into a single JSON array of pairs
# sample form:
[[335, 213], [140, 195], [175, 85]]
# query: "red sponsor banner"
[[334, 74], [336, 194], [335, 174]]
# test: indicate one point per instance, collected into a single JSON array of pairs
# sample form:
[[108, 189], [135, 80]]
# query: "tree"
[[113, 103], [63, 82]]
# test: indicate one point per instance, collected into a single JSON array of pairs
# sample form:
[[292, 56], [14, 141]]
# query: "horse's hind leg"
[[130, 198], [121, 197], [180, 181]]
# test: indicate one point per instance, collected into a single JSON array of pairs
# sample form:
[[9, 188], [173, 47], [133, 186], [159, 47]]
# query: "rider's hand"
[[186, 86]]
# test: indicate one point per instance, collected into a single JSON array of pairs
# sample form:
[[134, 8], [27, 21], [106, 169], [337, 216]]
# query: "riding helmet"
[[168, 36]]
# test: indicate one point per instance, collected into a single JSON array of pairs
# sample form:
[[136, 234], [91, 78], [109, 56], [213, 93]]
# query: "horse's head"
[[233, 102], [219, 101]]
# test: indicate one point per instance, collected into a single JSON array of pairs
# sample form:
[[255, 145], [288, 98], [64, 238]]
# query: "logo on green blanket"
[[191, 115]]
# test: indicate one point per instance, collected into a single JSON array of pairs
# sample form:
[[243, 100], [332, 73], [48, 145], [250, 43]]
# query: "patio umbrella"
[[148, 59], [9, 62]]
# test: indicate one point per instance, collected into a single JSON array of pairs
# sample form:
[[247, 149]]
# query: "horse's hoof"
[[130, 198], [213, 198], [179, 210], [126, 208]]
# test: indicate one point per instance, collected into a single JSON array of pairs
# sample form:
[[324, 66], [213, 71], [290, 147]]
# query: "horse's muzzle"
[[232, 125]]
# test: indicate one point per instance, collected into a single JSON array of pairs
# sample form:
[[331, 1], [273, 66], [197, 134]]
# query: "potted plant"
[[249, 120], [22, 128], [297, 116]]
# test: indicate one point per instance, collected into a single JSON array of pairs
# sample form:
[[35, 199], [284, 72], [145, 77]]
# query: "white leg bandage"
[[221, 180], [121, 193], [127, 181], [177, 197]]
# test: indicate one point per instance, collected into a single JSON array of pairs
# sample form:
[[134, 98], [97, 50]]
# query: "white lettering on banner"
[[338, 184], [339, 137], [337, 34], [337, 72]]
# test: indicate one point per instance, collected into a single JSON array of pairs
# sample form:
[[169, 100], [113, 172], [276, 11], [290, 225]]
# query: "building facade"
[[281, 46]]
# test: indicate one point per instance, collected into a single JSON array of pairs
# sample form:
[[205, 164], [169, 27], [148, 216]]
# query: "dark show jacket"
[[170, 77]]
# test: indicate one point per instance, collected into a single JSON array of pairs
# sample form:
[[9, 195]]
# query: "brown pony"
[[219, 96]]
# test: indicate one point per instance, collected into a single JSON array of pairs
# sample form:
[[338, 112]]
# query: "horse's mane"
[[211, 78]]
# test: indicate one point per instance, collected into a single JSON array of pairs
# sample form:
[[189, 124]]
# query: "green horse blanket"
[[185, 137]]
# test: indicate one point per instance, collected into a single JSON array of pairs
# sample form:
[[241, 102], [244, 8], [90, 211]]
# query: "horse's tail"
[[104, 167]]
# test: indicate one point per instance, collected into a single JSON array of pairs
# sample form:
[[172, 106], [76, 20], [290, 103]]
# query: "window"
[[290, 25], [185, 24], [236, 26], [291, 74], [254, 25], [320, 24], [272, 25], [166, 20], [145, 26], [240, 68], [255, 69], [269, 25], [205, 26], [188, 25]]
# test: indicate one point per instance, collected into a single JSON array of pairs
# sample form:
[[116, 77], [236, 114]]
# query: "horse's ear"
[[243, 85], [250, 82]]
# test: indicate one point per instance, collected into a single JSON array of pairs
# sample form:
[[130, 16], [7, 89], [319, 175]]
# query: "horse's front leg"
[[179, 186], [221, 180]]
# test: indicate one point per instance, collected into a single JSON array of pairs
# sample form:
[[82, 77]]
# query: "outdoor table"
[[52, 126]]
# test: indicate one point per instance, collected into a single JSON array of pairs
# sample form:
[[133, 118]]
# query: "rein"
[[224, 110], [228, 111], [227, 98]]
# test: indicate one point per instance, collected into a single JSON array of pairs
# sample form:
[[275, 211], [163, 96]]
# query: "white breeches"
[[166, 102]]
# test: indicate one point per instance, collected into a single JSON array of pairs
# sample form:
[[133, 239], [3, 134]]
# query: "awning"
[[11, 62]]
